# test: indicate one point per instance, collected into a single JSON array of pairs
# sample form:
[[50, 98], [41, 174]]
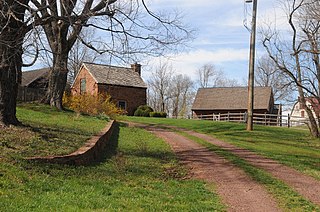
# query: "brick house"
[[124, 85], [210, 101]]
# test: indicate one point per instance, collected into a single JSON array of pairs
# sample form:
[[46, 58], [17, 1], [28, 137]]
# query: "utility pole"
[[251, 66]]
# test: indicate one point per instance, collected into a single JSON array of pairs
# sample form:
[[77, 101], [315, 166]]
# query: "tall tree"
[[268, 74], [159, 87], [210, 76], [169, 92], [80, 53], [12, 32], [299, 57], [129, 27], [181, 92]]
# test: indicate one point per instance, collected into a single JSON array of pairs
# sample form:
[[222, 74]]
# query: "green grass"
[[139, 173], [292, 147], [47, 132], [288, 199]]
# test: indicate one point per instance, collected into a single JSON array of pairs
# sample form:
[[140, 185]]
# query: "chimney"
[[136, 68]]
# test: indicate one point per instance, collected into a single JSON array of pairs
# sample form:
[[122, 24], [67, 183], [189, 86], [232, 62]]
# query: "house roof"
[[30, 76], [314, 103], [232, 98], [113, 75]]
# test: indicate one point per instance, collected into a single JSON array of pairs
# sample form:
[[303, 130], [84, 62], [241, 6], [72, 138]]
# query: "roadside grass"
[[288, 199], [139, 173], [292, 147], [47, 132]]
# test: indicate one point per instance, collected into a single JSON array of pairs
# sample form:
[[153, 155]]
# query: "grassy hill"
[[139, 173]]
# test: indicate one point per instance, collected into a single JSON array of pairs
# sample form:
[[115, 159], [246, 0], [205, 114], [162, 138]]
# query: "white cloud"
[[189, 63], [188, 3], [204, 56]]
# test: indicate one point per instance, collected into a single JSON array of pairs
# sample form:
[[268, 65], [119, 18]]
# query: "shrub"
[[92, 104], [158, 114], [143, 110]]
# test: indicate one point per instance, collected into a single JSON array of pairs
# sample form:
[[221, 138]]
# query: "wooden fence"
[[26, 94], [260, 119]]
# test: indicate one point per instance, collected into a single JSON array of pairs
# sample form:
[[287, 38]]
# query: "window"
[[302, 114], [82, 86], [122, 105]]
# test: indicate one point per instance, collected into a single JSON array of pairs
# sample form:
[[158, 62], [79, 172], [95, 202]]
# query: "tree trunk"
[[9, 75], [312, 124], [11, 37], [57, 81]]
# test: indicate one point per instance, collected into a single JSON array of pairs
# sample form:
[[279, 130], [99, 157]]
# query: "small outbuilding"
[[223, 100], [33, 85], [124, 85]]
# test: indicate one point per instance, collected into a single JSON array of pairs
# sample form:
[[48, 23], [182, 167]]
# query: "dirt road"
[[237, 190], [303, 184]]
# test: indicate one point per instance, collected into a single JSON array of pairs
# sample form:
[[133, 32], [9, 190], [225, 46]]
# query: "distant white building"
[[299, 114]]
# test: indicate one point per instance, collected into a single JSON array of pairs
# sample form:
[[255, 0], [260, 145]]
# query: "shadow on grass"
[[112, 145], [49, 132]]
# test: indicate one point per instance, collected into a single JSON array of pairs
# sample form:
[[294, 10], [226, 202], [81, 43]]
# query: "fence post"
[[288, 120], [228, 116], [24, 94], [265, 118]]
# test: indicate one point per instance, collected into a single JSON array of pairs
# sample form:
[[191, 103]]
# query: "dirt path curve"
[[303, 184], [237, 190]]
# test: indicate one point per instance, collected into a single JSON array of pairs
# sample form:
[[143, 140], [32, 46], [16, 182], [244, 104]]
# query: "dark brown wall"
[[134, 97]]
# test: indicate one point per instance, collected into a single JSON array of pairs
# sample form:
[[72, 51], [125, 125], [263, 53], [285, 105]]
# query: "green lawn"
[[47, 132], [139, 173], [293, 147]]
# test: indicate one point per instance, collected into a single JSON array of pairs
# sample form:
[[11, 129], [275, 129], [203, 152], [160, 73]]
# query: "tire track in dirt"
[[237, 190], [303, 184]]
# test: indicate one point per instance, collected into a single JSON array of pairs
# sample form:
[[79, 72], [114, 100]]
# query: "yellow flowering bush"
[[99, 104]]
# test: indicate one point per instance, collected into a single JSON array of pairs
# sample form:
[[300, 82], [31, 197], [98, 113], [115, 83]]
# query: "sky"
[[221, 37]]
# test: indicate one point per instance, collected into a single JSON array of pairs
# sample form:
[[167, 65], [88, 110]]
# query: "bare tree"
[[210, 76], [268, 74], [80, 53], [169, 92], [181, 91], [129, 27], [299, 58], [12, 33], [159, 87]]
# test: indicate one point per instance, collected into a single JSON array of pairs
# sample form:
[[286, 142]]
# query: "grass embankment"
[[292, 147], [139, 173], [47, 132]]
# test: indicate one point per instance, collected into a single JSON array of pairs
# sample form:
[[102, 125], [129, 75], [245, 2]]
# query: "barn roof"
[[113, 75], [231, 98], [30, 76]]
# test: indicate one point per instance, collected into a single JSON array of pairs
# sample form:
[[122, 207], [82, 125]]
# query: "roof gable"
[[112, 75], [233, 98], [30, 76]]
